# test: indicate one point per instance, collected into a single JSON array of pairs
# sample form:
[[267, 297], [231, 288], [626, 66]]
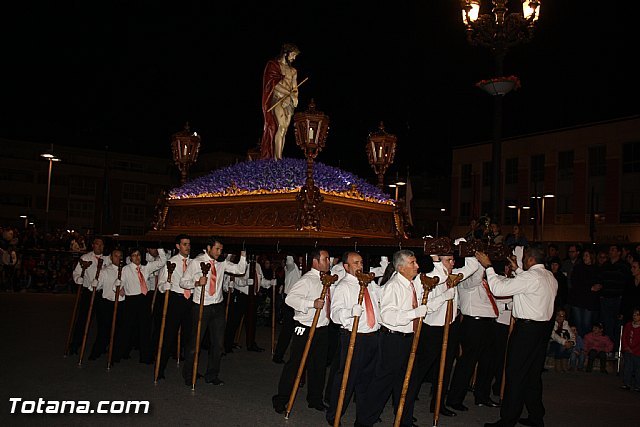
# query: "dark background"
[[128, 74]]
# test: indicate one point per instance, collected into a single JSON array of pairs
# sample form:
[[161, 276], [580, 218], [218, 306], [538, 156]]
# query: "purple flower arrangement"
[[283, 176]]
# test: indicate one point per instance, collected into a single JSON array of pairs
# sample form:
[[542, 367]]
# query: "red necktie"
[[371, 317], [187, 292], [143, 283], [485, 285], [214, 277], [414, 304], [327, 305]]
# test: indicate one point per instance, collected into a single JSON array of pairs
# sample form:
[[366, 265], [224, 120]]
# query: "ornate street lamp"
[[381, 150], [311, 128], [499, 31], [51, 159], [185, 146]]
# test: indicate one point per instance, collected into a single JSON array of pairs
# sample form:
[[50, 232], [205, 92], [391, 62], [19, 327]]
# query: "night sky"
[[128, 74]]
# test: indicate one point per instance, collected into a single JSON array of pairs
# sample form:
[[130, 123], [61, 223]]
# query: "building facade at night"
[[93, 190], [590, 176]]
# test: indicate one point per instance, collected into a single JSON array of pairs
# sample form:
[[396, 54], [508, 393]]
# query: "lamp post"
[[499, 31], [397, 184], [185, 146], [311, 128], [381, 150], [51, 158], [541, 199]]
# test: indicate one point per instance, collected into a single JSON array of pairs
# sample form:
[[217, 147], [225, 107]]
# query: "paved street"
[[33, 333]]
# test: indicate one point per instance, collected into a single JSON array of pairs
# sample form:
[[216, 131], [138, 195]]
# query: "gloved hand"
[[94, 283], [420, 311], [117, 283], [356, 310], [459, 240], [165, 286], [80, 280], [449, 294]]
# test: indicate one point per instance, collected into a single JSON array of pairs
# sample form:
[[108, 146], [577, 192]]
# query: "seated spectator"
[[576, 361], [517, 237], [495, 235], [562, 341], [631, 353], [597, 345]]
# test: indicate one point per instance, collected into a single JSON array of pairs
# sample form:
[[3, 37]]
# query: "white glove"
[[449, 294], [356, 310], [165, 286], [420, 311], [94, 283], [80, 280], [458, 240], [117, 283]]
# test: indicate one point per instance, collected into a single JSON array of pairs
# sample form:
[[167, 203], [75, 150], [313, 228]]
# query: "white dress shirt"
[[505, 305], [291, 276], [339, 271], [533, 291], [439, 315], [176, 275], [194, 273], [131, 281], [396, 305], [474, 300], [345, 296], [107, 282], [154, 275], [90, 272], [302, 296]]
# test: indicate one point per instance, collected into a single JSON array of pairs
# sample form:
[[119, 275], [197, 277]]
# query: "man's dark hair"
[[536, 252], [553, 245], [212, 240], [180, 237], [315, 254], [345, 256]]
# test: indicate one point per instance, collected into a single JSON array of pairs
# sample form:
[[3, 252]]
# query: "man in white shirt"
[[137, 311], [534, 290], [344, 310], [179, 305], [104, 310], [304, 298], [87, 281], [213, 314], [479, 312], [432, 336], [400, 314], [291, 276]]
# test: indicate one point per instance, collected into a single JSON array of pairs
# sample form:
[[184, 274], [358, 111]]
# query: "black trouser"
[[286, 332], [526, 354], [363, 368], [156, 318], [333, 355], [213, 321], [316, 366], [104, 316], [428, 360], [237, 309], [81, 319], [501, 336], [391, 365], [178, 318], [476, 340], [136, 330], [595, 354]]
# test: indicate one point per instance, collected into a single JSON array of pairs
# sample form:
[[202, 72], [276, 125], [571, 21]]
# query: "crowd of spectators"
[[39, 262]]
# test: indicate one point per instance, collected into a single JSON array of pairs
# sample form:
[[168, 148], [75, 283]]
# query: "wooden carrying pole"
[[452, 281], [83, 265], [273, 319], [327, 280], [155, 292], [428, 283], [88, 322], [113, 319], [363, 279], [205, 271], [178, 346], [232, 279], [170, 268], [504, 364]]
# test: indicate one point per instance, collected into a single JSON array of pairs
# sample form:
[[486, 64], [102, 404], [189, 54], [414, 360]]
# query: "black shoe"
[[237, 346], [278, 407], [93, 357], [458, 406], [447, 412], [161, 377], [625, 387], [318, 406], [277, 360], [527, 422], [488, 403], [215, 381], [228, 350], [255, 348]]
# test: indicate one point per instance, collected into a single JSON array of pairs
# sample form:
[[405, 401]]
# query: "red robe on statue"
[[270, 79]]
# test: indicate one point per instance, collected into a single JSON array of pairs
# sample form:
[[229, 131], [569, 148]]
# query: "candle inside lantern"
[[310, 134], [185, 150], [380, 151], [373, 150]]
